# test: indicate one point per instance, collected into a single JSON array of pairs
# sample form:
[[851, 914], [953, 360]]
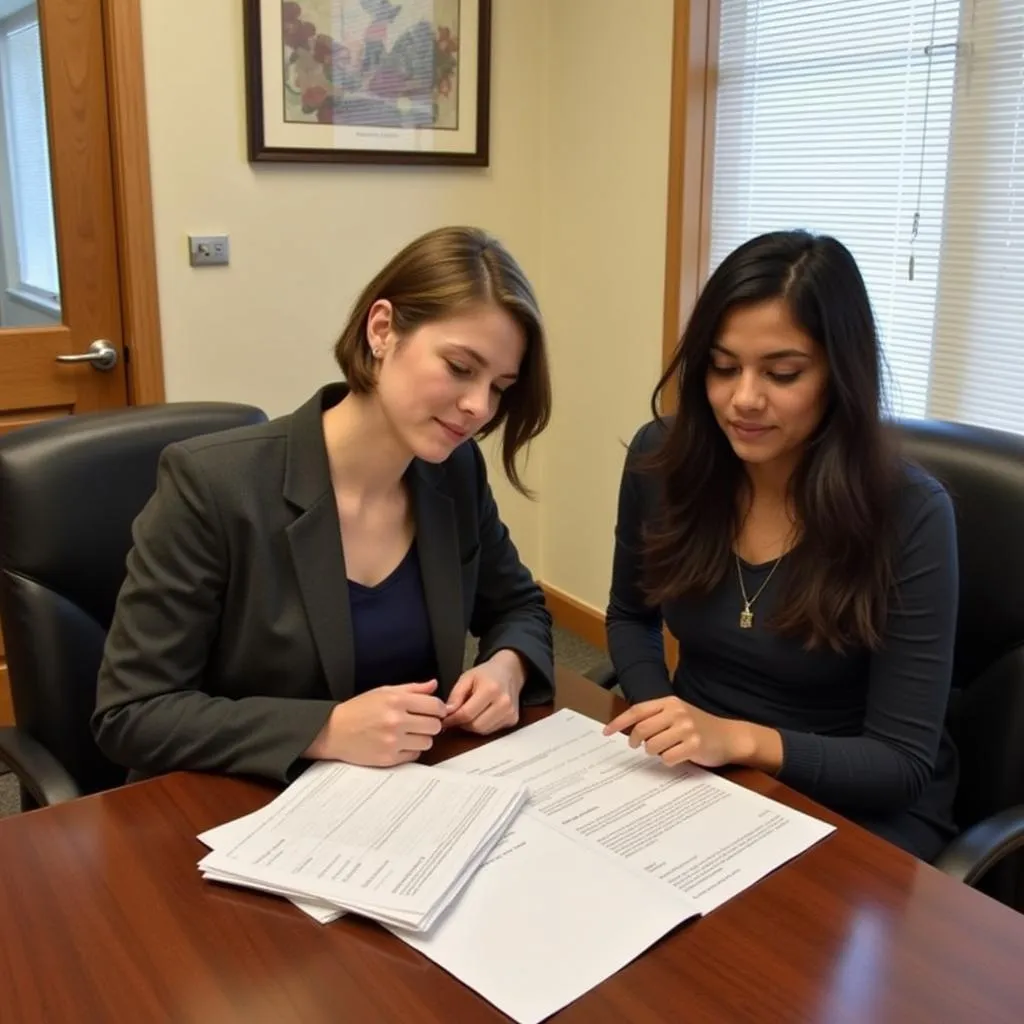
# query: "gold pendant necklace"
[[747, 615]]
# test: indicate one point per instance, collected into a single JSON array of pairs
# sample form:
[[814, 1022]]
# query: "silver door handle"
[[101, 355]]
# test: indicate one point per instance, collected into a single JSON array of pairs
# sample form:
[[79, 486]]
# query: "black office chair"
[[70, 490], [984, 473]]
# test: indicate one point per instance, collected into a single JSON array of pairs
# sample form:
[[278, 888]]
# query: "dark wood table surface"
[[104, 917]]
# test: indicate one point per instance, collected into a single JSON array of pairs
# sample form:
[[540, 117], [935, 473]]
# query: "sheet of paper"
[[545, 919], [391, 843], [542, 921], [321, 912], [231, 832], [325, 913], [692, 830], [227, 835]]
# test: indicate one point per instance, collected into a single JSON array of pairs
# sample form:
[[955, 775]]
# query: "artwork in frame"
[[368, 81]]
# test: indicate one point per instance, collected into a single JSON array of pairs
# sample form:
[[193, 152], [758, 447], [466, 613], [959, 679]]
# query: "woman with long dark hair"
[[807, 571]]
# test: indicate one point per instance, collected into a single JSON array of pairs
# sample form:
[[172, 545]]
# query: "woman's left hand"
[[676, 732], [486, 697]]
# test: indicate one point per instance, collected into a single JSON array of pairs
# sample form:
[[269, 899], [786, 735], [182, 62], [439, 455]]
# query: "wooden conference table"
[[104, 917]]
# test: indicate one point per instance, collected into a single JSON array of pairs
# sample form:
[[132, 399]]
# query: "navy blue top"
[[391, 630]]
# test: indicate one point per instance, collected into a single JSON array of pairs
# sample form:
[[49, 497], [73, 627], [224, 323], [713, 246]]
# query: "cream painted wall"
[[604, 267], [576, 188], [305, 239]]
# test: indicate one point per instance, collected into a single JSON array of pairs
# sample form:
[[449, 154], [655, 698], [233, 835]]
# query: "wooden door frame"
[[690, 172], [691, 165], [133, 200]]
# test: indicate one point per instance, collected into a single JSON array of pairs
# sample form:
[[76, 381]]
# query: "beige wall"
[[576, 188], [304, 239], [604, 267]]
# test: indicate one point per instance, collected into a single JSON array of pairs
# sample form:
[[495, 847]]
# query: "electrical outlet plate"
[[208, 250]]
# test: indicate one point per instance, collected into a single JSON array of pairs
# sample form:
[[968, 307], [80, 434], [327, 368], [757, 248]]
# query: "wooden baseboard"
[[587, 622], [576, 616]]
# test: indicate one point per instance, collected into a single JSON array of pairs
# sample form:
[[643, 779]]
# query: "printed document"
[[394, 844], [611, 851], [692, 830]]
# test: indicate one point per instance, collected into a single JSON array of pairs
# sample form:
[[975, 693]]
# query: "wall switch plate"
[[208, 250]]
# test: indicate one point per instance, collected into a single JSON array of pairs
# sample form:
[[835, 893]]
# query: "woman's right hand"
[[382, 727]]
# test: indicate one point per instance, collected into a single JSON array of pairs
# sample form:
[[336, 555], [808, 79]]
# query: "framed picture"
[[368, 81]]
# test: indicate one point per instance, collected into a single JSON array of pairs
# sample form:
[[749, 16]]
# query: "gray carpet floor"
[[570, 651]]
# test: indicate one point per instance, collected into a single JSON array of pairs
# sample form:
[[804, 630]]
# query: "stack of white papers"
[[611, 852], [397, 845]]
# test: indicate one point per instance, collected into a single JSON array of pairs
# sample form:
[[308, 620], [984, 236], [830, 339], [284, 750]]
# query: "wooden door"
[[59, 285]]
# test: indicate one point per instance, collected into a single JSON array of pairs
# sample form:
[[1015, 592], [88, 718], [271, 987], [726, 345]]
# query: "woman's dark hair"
[[837, 577], [439, 275]]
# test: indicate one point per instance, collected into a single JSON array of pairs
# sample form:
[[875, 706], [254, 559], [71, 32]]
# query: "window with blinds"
[[28, 158], [894, 125], [978, 357]]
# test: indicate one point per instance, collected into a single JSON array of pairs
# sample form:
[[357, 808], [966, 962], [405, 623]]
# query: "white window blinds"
[[978, 362], [836, 117], [28, 157]]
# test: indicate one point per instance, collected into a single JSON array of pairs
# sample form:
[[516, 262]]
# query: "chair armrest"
[[983, 846], [46, 779], [602, 674]]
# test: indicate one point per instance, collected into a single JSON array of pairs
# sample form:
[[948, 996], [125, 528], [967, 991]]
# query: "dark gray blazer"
[[232, 637]]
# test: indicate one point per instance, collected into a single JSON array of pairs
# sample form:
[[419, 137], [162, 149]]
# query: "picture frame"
[[368, 81]]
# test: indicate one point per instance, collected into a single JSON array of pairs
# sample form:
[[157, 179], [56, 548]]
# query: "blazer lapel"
[[315, 542], [438, 549]]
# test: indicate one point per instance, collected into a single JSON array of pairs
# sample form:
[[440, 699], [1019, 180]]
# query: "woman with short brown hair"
[[302, 589]]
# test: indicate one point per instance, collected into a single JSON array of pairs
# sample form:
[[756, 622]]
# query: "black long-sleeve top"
[[862, 732]]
